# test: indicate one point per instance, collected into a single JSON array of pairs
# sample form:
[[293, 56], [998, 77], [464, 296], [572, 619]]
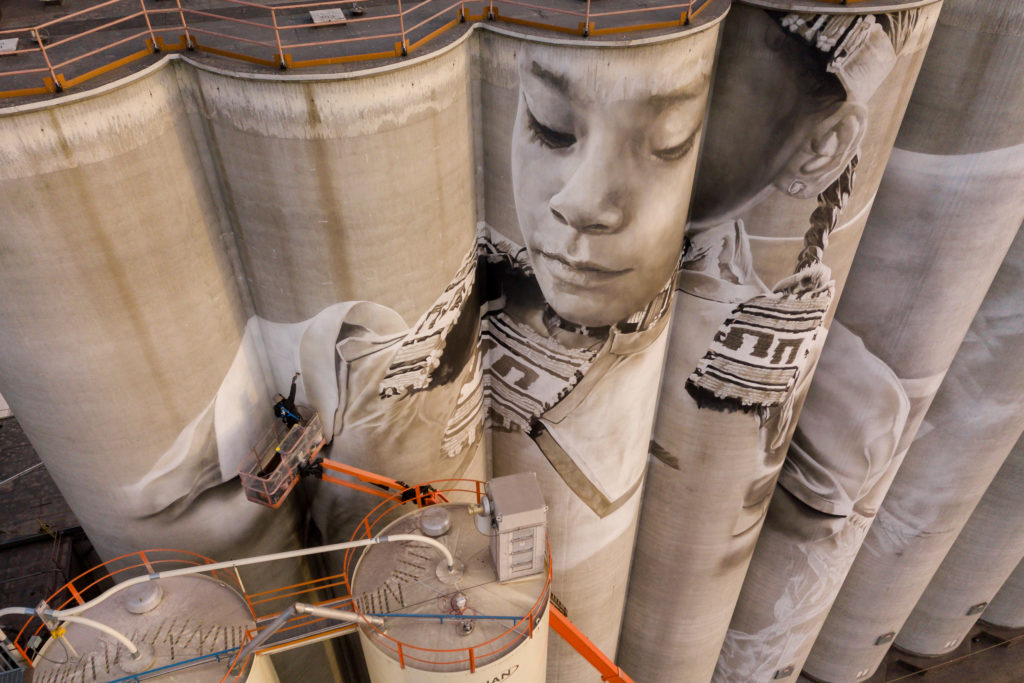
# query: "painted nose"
[[593, 199]]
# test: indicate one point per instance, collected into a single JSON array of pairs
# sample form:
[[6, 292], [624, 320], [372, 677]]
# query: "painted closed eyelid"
[[547, 136], [677, 152]]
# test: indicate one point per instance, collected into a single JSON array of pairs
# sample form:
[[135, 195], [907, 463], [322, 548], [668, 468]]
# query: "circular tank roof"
[[181, 621], [438, 615]]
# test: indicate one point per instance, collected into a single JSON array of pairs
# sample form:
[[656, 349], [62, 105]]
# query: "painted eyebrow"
[[680, 95], [556, 81], [686, 92]]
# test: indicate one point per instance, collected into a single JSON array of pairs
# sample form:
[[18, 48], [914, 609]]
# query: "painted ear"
[[824, 154]]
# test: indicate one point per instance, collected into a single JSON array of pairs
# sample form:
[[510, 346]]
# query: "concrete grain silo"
[[806, 104], [1007, 607], [122, 314], [966, 435], [579, 411], [951, 182], [980, 561], [353, 201]]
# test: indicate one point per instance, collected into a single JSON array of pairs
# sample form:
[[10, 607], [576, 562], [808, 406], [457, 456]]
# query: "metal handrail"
[[523, 626], [237, 33], [131, 564]]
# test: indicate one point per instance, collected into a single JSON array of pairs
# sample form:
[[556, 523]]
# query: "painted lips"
[[579, 273]]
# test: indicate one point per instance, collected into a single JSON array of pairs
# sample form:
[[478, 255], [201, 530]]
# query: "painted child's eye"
[[676, 152], [549, 137]]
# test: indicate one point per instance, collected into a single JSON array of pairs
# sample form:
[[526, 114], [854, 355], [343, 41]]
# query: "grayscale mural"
[[580, 293], [798, 563], [775, 223], [541, 352], [958, 192], [965, 449], [626, 265]]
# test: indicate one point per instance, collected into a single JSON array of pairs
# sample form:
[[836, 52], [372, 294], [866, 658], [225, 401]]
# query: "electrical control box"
[[519, 537]]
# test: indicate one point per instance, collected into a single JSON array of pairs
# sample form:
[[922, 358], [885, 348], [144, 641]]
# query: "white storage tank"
[[459, 623], [187, 629]]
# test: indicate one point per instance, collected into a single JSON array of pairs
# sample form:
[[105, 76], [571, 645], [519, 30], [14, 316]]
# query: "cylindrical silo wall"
[[121, 317], [910, 303], [348, 188], [1007, 607], [972, 424], [589, 155], [982, 558], [793, 156], [353, 201], [858, 416]]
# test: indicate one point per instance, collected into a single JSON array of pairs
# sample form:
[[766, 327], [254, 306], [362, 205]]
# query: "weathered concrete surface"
[[911, 304], [372, 199], [713, 473], [120, 308], [1007, 607], [980, 561], [344, 189], [359, 188]]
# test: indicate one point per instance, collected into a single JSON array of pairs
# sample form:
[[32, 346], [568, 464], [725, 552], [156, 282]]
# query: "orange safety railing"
[[297, 629], [76, 47], [405, 653], [270, 604], [91, 583]]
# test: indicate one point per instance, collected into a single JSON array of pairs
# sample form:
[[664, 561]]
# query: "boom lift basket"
[[271, 468]]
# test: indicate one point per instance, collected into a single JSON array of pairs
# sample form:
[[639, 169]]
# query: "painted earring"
[[796, 187]]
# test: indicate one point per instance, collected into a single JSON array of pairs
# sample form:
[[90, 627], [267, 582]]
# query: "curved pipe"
[[117, 635], [113, 633], [336, 614], [17, 610], [231, 564]]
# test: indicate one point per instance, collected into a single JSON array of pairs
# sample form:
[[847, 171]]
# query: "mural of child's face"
[[602, 163]]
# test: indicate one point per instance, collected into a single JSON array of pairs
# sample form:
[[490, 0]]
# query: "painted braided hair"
[[764, 346], [825, 217]]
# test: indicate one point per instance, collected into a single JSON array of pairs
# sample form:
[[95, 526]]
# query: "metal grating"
[[14, 676]]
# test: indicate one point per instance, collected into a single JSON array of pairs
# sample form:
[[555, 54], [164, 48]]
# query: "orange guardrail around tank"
[[462, 490], [91, 583], [76, 47]]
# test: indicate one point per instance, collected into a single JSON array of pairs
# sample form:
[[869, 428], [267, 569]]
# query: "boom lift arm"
[[385, 487], [278, 460]]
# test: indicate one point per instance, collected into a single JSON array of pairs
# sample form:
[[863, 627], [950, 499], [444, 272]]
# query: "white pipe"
[[258, 559], [273, 627], [336, 614], [17, 610], [106, 629], [84, 622], [70, 615]]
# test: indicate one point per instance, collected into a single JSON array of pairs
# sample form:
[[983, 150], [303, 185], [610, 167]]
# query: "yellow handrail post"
[[184, 26], [152, 36], [401, 24], [46, 57], [277, 37]]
